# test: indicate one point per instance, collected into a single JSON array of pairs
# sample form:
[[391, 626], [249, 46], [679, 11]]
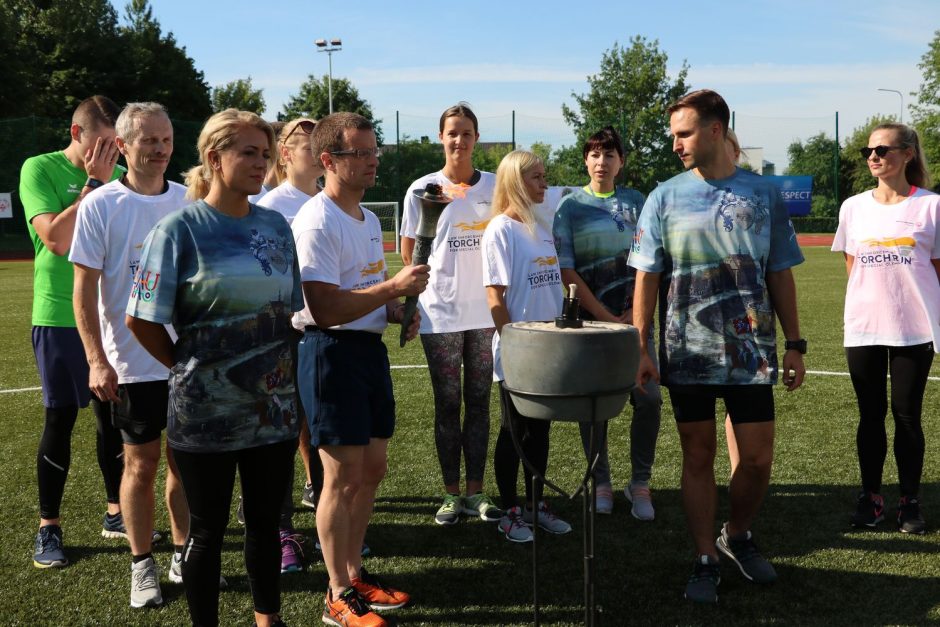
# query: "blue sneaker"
[[113, 527], [49, 553]]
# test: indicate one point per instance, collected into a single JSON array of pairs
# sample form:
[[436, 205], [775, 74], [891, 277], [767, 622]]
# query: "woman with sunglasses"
[[298, 175], [456, 327], [523, 283], [890, 237], [224, 272]]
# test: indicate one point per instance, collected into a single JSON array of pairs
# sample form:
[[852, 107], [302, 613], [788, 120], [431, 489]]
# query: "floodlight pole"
[[334, 45], [901, 96]]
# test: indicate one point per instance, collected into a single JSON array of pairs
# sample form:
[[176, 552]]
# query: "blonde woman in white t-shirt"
[[456, 327], [891, 241], [523, 283]]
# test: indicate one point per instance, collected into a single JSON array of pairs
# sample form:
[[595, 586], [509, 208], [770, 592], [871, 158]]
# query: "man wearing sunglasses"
[[343, 373], [721, 240]]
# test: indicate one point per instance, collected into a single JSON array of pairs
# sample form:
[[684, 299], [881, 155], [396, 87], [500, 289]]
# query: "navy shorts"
[[346, 387], [63, 369], [745, 403], [140, 413]]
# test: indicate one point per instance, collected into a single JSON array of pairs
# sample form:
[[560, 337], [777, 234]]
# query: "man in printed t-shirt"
[[717, 244]]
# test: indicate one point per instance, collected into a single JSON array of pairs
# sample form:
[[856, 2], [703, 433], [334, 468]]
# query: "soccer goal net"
[[388, 215]]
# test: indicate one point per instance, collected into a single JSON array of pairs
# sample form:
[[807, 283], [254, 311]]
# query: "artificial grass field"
[[468, 574]]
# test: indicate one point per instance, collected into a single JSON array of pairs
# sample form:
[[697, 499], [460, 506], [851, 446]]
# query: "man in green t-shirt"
[[51, 187]]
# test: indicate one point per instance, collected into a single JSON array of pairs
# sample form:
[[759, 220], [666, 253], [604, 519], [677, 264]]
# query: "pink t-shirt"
[[893, 294]]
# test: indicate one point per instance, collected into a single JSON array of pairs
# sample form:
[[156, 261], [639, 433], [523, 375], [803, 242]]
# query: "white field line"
[[822, 373]]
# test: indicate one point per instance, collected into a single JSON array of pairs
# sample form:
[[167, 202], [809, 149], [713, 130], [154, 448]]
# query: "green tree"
[[238, 94], [313, 101], [856, 177], [401, 165], [926, 113], [567, 167], [816, 158], [488, 159], [631, 92]]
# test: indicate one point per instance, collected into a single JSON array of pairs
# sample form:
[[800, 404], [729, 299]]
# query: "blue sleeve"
[[784, 250], [563, 236], [646, 254], [153, 294]]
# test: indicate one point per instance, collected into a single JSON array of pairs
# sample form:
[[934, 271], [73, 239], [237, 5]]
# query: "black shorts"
[[140, 413], [745, 403], [63, 369]]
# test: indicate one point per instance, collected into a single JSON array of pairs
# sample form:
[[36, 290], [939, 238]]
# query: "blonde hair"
[[915, 171], [288, 133], [220, 132], [510, 191]]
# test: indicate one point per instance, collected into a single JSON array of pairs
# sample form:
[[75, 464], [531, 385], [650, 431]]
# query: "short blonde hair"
[[510, 191], [220, 132]]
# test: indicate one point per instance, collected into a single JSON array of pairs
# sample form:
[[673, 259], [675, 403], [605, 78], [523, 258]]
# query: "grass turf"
[[468, 574]]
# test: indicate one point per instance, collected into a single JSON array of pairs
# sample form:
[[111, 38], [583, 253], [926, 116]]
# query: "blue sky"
[[784, 67]]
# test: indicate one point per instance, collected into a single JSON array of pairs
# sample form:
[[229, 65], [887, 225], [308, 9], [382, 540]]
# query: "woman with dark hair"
[[594, 230], [456, 327], [890, 237], [224, 272]]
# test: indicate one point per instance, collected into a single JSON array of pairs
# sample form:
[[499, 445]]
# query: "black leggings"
[[533, 439], [208, 480], [909, 367], [55, 455]]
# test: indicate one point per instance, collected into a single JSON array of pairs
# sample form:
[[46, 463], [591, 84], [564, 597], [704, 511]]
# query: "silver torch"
[[433, 202]]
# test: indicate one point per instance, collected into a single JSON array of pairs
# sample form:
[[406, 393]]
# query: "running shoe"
[[175, 574], [910, 519], [377, 594], [513, 527], [605, 499], [145, 584], [349, 609], [449, 512], [308, 498], [547, 520], [482, 507], [869, 510], [292, 551], [702, 586], [48, 552], [113, 527], [743, 552], [639, 494]]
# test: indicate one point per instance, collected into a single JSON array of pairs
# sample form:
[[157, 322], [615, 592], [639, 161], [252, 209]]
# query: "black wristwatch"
[[796, 345], [93, 183]]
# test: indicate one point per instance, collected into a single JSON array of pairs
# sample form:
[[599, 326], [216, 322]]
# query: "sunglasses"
[[306, 125], [359, 153], [881, 151]]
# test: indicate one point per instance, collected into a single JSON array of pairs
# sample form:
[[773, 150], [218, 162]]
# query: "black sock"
[[139, 558]]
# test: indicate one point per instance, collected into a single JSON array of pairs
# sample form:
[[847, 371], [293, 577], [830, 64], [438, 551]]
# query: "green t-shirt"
[[49, 183]]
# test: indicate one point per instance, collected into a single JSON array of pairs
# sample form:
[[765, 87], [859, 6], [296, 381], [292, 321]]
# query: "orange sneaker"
[[378, 595], [349, 610]]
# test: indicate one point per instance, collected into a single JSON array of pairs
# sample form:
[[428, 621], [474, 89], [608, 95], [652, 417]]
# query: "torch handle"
[[419, 257]]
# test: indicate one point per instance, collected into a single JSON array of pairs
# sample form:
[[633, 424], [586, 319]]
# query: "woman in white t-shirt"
[[891, 240], [523, 283], [456, 327]]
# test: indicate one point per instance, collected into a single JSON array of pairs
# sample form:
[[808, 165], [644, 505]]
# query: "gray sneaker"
[[481, 506], [702, 586], [449, 512], [145, 584], [513, 527], [639, 495], [742, 551], [176, 571], [547, 520]]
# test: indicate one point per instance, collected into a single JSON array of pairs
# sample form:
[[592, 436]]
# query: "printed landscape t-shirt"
[[714, 241], [228, 285], [893, 294]]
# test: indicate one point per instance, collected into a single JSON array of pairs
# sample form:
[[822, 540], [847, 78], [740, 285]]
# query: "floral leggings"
[[445, 352]]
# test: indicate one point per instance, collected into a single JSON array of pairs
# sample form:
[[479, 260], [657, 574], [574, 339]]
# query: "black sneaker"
[[48, 551], [910, 520], [743, 552], [308, 498], [702, 586], [869, 511]]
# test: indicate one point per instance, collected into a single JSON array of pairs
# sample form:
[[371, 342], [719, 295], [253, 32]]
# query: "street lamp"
[[334, 45], [901, 96]]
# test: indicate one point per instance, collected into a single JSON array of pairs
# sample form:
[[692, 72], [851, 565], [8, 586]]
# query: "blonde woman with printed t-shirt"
[[523, 283], [891, 240], [456, 327]]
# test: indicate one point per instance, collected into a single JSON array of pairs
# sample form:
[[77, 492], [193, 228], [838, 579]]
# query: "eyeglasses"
[[358, 153], [881, 151], [306, 125]]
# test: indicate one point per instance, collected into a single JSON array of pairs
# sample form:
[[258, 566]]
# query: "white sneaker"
[[547, 520], [176, 571], [145, 584], [639, 495]]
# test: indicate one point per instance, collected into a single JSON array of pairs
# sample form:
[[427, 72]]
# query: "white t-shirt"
[[455, 299], [256, 198], [893, 294], [285, 199], [110, 229], [545, 211], [333, 247], [527, 265]]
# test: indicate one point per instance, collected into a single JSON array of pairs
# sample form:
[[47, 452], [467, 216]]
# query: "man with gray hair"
[[113, 222]]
